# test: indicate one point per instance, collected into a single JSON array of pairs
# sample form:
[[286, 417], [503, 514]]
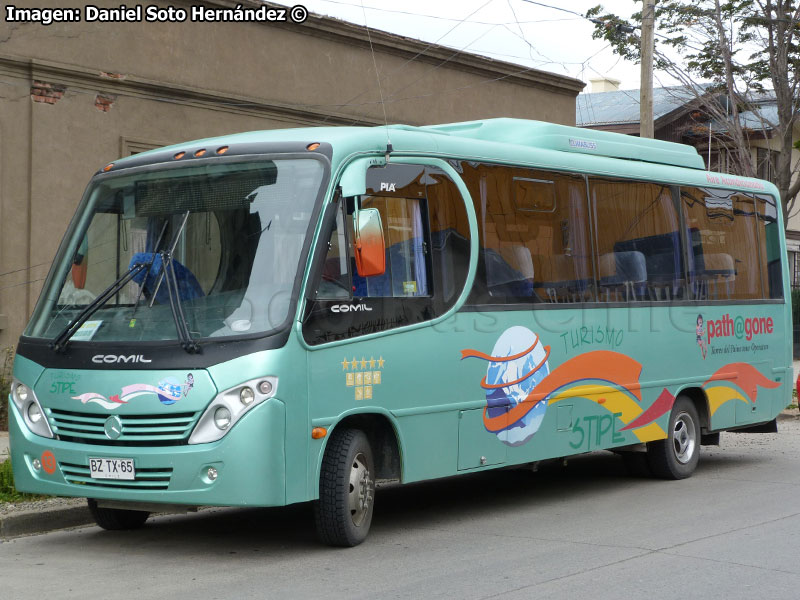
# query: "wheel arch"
[[384, 437], [700, 400]]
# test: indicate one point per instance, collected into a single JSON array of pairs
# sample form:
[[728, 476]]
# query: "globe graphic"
[[169, 390], [533, 363]]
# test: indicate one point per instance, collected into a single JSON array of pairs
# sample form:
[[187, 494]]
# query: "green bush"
[[8, 493], [796, 307], [6, 368]]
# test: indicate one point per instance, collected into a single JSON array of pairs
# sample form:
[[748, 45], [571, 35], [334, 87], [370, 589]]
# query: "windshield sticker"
[[169, 390], [86, 331], [520, 383]]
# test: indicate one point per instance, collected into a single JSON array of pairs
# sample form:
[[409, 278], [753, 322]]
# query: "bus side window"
[[426, 233], [769, 244], [404, 223], [638, 242], [335, 280], [724, 229], [450, 239], [534, 236]]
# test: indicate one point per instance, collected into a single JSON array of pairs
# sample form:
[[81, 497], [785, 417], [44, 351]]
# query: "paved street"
[[587, 530]]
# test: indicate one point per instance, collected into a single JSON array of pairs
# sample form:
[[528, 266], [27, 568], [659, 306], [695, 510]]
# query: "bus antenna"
[[380, 90]]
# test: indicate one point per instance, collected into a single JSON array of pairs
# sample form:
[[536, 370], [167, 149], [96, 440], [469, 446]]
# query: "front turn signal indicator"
[[318, 433]]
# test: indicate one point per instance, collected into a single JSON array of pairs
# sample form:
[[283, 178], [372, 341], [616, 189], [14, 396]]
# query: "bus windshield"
[[232, 233]]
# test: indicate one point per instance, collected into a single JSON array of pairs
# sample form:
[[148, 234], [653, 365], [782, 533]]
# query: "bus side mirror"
[[370, 247], [80, 265]]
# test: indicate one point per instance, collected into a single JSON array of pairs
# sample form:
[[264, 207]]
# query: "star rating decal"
[[362, 375]]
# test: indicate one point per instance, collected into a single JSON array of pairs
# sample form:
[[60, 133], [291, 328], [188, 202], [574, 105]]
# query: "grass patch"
[[6, 368], [8, 493]]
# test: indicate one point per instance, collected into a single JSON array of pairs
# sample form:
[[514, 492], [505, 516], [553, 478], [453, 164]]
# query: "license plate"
[[112, 468]]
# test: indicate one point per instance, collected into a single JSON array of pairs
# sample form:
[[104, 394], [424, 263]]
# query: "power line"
[[420, 53], [21, 270], [566, 10], [436, 17]]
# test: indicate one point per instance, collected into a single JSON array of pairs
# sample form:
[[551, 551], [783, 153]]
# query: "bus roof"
[[500, 140], [550, 136]]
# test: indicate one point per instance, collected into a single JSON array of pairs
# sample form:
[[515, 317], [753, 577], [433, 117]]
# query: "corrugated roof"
[[766, 118], [622, 106]]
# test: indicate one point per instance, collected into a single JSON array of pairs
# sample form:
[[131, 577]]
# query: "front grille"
[[137, 430], [146, 479]]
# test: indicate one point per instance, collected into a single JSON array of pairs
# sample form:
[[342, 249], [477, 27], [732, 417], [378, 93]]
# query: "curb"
[[29, 522]]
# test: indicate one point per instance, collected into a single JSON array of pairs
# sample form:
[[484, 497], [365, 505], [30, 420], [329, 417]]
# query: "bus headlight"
[[22, 392], [34, 413], [246, 395], [222, 418], [28, 405], [230, 406]]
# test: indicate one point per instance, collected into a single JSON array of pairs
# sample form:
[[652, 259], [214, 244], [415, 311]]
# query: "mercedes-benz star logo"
[[113, 427]]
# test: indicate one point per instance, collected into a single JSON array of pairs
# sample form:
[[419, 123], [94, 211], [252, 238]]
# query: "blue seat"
[[188, 286]]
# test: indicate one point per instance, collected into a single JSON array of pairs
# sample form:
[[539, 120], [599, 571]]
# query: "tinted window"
[[534, 235], [405, 232], [728, 243], [426, 232], [769, 243], [638, 241]]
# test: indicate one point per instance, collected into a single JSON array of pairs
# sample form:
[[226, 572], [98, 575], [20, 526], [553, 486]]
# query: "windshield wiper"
[[60, 343], [168, 274], [182, 328]]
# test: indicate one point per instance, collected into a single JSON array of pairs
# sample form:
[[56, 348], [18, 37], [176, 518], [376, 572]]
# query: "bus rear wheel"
[[343, 513], [115, 519], [676, 457]]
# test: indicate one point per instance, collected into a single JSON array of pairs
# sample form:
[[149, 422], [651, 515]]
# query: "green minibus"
[[298, 315]]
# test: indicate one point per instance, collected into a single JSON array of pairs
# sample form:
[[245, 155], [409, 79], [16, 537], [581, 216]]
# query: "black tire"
[[676, 457], [343, 513], [115, 519]]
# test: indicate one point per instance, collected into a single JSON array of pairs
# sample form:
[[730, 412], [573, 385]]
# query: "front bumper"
[[250, 461]]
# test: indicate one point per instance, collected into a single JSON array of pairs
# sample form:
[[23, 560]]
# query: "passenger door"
[[359, 360]]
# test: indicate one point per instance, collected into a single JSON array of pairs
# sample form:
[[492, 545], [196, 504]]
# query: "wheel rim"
[[362, 490], [684, 438]]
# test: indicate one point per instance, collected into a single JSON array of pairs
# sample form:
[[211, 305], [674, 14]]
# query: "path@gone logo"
[[517, 364], [700, 333]]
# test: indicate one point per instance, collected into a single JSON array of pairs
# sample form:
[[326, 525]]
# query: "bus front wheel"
[[343, 513], [114, 519], [676, 457]]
